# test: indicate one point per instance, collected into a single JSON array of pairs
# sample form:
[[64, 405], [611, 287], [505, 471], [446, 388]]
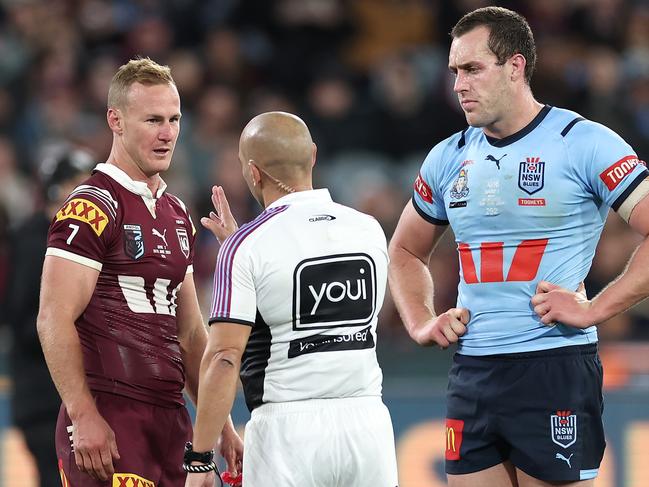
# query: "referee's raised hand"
[[220, 222]]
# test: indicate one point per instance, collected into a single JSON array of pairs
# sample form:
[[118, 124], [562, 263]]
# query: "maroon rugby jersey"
[[143, 248]]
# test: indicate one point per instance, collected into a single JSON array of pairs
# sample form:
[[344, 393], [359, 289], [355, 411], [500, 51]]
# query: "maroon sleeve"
[[81, 229]]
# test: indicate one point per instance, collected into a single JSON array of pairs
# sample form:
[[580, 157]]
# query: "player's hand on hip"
[[202, 479], [556, 304], [94, 445], [444, 329], [221, 222]]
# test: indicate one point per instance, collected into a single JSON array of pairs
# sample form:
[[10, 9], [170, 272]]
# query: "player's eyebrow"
[[463, 66], [160, 117]]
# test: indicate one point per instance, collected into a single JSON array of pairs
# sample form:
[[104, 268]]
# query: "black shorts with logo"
[[540, 410]]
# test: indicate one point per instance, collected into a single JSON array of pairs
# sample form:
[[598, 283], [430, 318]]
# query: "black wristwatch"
[[194, 456], [206, 460]]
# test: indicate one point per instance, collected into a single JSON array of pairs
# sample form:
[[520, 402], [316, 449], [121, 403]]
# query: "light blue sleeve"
[[608, 166], [428, 197]]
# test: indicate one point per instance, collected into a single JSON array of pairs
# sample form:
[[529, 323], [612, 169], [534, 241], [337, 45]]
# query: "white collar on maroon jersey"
[[302, 196], [137, 187]]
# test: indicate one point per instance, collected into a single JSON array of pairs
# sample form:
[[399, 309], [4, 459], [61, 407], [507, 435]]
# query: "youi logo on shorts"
[[563, 428], [334, 291]]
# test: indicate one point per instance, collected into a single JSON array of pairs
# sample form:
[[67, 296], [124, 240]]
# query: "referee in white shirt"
[[297, 293]]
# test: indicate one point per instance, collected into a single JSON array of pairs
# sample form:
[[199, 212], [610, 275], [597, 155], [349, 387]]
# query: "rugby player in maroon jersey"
[[119, 319]]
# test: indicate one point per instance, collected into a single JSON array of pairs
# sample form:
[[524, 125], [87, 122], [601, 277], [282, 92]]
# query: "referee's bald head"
[[279, 143]]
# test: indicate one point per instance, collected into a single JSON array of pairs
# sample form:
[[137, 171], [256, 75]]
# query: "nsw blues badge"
[[531, 175], [133, 241], [563, 428]]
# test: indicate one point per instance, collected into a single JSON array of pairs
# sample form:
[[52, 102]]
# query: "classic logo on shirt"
[[563, 428], [613, 175], [320, 218], [130, 480], [84, 211], [133, 241], [531, 174], [183, 240], [334, 291], [423, 189]]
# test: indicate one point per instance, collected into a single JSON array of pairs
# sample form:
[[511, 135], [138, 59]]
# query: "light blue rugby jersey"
[[525, 208]]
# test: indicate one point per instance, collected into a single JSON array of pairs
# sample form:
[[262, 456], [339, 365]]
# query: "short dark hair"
[[509, 34]]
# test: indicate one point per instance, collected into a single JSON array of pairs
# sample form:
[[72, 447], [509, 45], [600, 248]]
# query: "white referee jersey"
[[309, 276]]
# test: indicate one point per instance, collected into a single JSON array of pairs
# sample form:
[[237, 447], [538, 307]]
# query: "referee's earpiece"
[[252, 174]]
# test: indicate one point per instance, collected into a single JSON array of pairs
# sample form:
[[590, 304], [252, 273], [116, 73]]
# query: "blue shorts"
[[540, 410]]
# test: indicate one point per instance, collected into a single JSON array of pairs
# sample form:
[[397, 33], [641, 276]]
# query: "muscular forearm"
[[411, 286], [218, 383], [192, 347], [631, 287], [62, 350]]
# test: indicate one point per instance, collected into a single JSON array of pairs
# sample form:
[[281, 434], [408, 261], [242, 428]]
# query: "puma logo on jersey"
[[162, 235], [559, 456], [497, 161], [86, 211]]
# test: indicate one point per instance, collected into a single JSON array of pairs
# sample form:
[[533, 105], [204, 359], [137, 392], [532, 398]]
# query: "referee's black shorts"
[[540, 410]]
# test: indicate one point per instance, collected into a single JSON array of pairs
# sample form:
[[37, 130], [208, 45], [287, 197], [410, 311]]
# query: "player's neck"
[[519, 114], [134, 172]]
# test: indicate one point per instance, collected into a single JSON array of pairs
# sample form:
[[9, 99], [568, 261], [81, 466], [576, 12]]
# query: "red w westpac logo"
[[524, 266]]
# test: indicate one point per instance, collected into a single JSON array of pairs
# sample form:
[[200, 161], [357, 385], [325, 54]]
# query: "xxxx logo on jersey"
[[84, 211], [130, 480]]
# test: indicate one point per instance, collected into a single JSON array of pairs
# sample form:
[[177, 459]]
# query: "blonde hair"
[[139, 70]]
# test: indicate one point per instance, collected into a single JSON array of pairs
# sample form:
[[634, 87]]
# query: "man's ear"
[[518, 63], [114, 118], [314, 154], [255, 173]]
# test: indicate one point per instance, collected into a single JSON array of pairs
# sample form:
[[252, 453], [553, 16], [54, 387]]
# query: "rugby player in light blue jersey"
[[526, 188]]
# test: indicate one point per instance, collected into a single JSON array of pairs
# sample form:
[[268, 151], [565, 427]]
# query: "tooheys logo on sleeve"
[[613, 175], [334, 291], [84, 211]]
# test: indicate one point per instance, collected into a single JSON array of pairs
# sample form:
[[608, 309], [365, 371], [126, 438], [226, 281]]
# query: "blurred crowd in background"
[[368, 76]]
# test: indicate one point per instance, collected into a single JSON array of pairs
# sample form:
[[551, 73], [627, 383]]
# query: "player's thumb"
[[207, 223], [464, 315], [546, 287], [231, 461]]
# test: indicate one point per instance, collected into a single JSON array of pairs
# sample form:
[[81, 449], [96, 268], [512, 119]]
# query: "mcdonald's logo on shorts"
[[454, 429], [130, 480]]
